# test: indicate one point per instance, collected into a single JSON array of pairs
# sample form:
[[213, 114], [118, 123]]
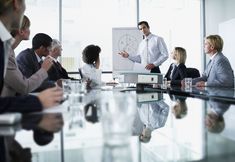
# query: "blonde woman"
[[177, 70]]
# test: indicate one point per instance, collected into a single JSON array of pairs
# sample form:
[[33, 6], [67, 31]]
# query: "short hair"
[[42, 137], [144, 22], [183, 109], [216, 41], [90, 54], [55, 43], [25, 24], [41, 39], [218, 126], [181, 54]]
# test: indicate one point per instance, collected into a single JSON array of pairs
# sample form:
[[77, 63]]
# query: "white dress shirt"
[[90, 72], [7, 40], [156, 51]]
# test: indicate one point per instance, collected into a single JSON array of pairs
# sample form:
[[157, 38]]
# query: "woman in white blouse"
[[90, 70]]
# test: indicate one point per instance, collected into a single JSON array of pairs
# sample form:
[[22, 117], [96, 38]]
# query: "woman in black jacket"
[[177, 70]]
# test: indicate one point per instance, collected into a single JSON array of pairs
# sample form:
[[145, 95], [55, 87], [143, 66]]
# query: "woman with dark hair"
[[91, 70]]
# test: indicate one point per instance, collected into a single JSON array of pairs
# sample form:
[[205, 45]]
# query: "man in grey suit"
[[219, 72], [30, 60]]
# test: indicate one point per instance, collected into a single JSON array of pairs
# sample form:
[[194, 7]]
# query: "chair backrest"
[[193, 73], [80, 72]]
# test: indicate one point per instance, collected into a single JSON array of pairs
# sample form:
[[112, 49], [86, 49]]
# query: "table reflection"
[[149, 116]]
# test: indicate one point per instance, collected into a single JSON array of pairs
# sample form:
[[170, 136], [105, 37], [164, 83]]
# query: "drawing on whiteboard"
[[128, 43], [125, 39]]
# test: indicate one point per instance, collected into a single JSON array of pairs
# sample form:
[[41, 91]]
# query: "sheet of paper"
[[140, 68]]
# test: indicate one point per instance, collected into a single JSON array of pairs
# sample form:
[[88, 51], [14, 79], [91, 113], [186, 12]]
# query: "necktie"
[[208, 68], [172, 70], [145, 55], [40, 63], [1, 64]]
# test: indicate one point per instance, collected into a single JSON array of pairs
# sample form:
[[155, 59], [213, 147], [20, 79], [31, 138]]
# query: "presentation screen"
[[125, 39]]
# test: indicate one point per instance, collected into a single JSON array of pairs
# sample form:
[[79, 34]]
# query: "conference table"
[[194, 124]]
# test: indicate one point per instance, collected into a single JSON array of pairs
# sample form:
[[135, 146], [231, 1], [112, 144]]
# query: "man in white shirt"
[[152, 50]]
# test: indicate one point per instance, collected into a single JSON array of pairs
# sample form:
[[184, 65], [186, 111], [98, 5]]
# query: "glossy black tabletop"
[[194, 125]]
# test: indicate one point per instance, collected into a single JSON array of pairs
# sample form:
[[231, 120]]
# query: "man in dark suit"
[[29, 61], [11, 14], [57, 71]]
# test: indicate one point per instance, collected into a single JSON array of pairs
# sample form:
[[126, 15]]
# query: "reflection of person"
[[14, 81], [43, 126], [91, 70], [17, 152], [91, 113], [11, 14], [150, 116], [214, 118], [177, 70], [219, 72], [30, 60], [179, 108], [57, 71], [152, 50]]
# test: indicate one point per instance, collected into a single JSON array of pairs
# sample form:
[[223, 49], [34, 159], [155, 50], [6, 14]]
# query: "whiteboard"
[[127, 39], [227, 32]]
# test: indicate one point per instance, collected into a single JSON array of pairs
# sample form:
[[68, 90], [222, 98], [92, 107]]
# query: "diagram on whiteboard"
[[128, 43], [125, 39]]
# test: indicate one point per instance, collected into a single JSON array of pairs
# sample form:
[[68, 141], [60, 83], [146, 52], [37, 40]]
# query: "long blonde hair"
[[180, 54]]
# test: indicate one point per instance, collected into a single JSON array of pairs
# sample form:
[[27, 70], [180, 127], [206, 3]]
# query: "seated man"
[[10, 19], [30, 60], [219, 72], [57, 71]]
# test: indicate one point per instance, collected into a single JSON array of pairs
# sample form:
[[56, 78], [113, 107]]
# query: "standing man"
[[219, 72], [152, 50]]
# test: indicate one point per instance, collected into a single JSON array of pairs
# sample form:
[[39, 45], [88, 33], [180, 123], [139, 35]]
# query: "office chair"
[[193, 73], [80, 72]]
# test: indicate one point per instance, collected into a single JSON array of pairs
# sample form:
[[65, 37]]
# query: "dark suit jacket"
[[28, 65], [17, 104], [1, 64], [57, 72], [179, 74]]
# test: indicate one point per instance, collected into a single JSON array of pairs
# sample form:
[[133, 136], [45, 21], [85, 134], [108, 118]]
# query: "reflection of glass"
[[117, 154], [188, 83], [117, 114]]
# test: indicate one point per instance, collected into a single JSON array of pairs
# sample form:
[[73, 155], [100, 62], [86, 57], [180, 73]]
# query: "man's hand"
[[51, 97], [47, 63], [124, 54], [149, 66]]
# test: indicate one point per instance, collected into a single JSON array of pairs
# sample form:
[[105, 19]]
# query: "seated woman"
[[90, 70], [177, 70]]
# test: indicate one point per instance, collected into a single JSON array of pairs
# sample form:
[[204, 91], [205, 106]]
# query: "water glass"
[[164, 83], [188, 83], [117, 115]]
